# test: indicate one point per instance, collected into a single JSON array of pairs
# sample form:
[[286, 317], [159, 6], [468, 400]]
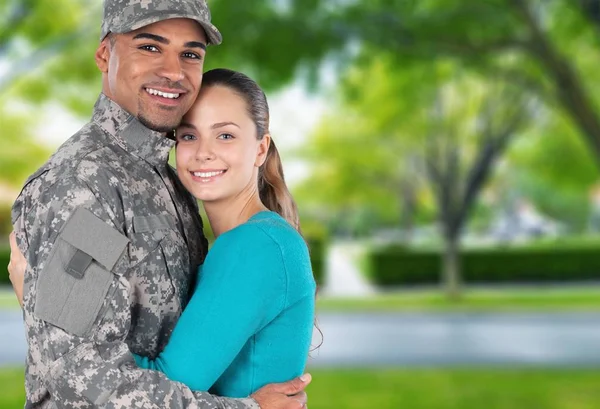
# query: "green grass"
[[455, 389], [422, 389], [473, 300], [12, 392], [8, 299]]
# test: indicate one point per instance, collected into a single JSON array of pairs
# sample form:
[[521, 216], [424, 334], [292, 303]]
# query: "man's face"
[[154, 73]]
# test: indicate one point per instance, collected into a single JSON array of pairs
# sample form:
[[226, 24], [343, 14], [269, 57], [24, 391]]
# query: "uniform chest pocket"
[[150, 233], [159, 257], [73, 284]]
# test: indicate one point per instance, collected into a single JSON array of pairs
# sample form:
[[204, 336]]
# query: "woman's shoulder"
[[257, 235], [269, 242], [265, 226], [266, 235]]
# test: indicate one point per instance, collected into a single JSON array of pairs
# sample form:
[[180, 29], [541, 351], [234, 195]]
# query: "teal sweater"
[[249, 321]]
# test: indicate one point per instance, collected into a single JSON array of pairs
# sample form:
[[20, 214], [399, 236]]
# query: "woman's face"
[[218, 154]]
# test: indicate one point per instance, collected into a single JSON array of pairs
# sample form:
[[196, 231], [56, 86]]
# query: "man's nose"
[[171, 68]]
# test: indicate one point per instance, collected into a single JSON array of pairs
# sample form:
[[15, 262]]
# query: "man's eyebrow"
[[195, 44], [162, 40], [222, 124], [154, 37]]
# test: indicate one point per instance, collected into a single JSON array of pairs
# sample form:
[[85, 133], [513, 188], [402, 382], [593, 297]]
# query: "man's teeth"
[[162, 94], [207, 174]]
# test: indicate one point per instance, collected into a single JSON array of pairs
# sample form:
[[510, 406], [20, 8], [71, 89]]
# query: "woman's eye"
[[186, 137], [226, 136]]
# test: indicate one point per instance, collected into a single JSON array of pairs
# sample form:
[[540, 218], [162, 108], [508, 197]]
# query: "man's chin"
[[159, 125]]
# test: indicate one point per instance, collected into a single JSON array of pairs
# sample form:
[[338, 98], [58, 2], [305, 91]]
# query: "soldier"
[[111, 237]]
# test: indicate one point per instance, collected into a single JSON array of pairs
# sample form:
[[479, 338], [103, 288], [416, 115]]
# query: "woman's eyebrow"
[[222, 124]]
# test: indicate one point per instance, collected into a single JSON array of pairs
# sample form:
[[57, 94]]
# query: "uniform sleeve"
[[241, 288], [76, 307]]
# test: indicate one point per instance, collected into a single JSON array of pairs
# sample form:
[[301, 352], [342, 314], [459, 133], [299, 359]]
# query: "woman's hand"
[[16, 268]]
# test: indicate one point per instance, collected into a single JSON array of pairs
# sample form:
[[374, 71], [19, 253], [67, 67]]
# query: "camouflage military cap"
[[123, 16]]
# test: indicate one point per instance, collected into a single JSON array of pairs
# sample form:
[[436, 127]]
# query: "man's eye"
[[150, 48], [192, 56]]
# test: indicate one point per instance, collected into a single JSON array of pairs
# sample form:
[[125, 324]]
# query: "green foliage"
[[19, 154], [4, 260], [555, 168], [50, 58], [272, 41], [395, 266]]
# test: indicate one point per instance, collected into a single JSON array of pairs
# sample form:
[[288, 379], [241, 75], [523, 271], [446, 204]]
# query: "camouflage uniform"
[[122, 16], [112, 240]]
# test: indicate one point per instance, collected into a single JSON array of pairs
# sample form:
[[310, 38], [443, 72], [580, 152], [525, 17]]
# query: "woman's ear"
[[102, 55], [263, 149]]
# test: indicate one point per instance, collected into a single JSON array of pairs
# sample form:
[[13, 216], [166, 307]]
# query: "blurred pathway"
[[342, 273], [432, 339], [440, 339]]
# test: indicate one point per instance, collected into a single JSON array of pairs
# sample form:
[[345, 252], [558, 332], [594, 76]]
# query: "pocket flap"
[[91, 235], [150, 223]]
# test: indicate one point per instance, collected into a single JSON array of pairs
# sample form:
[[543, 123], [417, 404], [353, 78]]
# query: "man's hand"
[[287, 395], [16, 268]]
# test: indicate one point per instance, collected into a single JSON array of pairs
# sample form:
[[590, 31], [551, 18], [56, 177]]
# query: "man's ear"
[[102, 55], [263, 149]]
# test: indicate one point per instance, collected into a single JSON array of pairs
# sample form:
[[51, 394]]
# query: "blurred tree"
[[42, 60], [394, 127], [472, 125], [553, 167], [359, 155], [545, 46], [49, 58]]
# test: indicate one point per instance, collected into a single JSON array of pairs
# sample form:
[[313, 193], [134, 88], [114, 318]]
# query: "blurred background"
[[444, 156]]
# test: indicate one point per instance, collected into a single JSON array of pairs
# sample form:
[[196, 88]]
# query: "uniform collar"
[[130, 133]]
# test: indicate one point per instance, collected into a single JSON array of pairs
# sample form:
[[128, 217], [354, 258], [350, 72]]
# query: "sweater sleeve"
[[241, 288]]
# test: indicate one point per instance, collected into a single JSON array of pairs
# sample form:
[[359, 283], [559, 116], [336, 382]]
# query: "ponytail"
[[273, 190]]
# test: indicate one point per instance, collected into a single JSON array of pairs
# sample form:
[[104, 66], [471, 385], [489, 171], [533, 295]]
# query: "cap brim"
[[214, 35]]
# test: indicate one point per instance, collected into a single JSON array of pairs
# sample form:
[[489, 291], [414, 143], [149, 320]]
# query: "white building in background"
[[524, 222]]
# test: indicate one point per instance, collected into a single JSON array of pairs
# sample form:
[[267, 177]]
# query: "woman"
[[249, 321]]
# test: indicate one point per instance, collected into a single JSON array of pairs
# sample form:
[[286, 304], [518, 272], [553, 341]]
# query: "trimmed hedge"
[[317, 258], [394, 266]]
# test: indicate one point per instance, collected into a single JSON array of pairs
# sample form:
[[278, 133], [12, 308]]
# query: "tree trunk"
[[407, 211], [451, 268]]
